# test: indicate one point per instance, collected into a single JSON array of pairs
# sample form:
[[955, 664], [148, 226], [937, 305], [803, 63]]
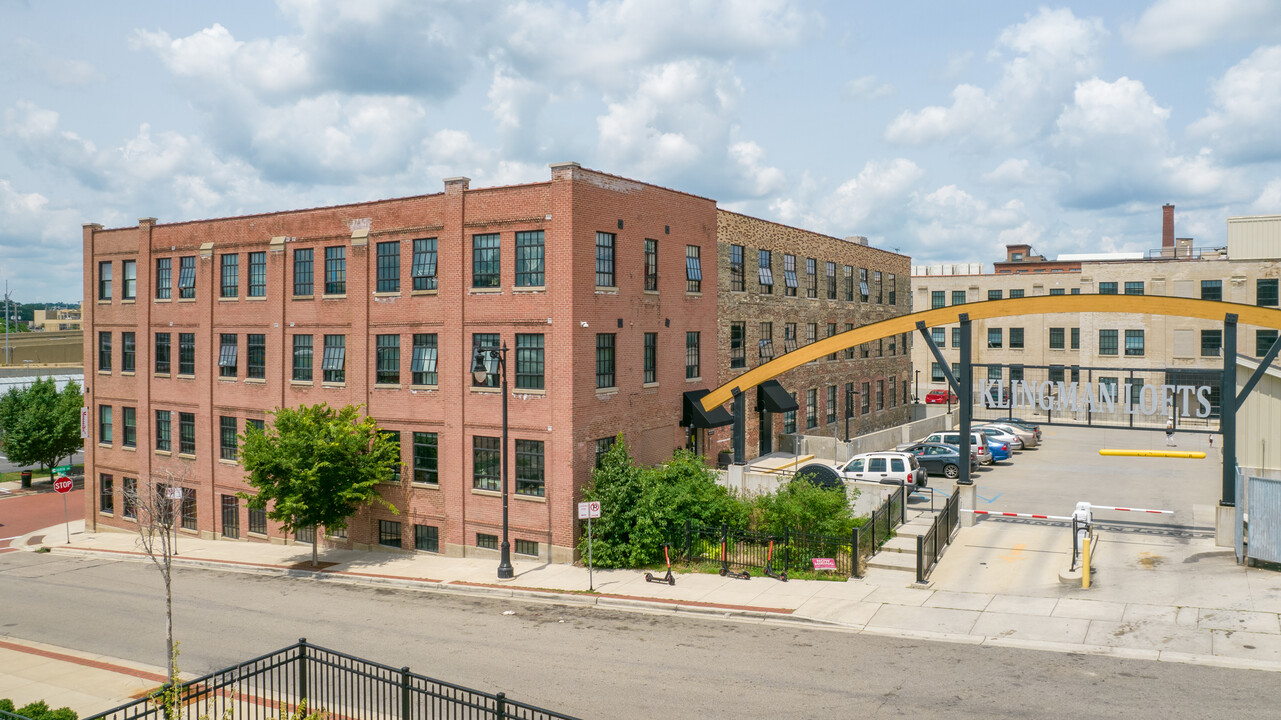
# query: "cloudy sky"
[[941, 129]]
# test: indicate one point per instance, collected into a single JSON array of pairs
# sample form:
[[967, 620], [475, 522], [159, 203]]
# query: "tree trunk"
[[169, 625], [315, 545]]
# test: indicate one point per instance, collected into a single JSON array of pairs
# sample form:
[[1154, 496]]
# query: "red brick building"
[[604, 289]]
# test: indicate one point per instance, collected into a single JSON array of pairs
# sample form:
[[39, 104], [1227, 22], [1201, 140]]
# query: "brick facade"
[[885, 362]]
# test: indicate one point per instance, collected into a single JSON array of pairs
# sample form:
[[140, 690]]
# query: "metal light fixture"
[[485, 362]]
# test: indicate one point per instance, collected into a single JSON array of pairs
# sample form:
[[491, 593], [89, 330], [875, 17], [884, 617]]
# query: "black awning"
[[771, 397], [695, 416]]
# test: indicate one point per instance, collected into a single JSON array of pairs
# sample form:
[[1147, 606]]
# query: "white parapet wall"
[[864, 496], [828, 449]]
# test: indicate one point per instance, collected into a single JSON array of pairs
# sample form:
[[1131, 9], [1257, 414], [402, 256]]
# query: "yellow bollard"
[[1085, 567]]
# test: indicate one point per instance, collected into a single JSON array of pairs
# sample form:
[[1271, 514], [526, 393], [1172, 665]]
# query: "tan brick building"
[[782, 287]]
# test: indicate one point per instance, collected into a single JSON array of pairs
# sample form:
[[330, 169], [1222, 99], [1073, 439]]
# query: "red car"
[[940, 396]]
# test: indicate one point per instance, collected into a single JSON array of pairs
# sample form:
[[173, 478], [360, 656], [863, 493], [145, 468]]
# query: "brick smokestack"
[[1167, 226]]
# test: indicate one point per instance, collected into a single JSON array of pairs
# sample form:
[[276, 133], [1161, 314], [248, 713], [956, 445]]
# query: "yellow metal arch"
[[1040, 305]]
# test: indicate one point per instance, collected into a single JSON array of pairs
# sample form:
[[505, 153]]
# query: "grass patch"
[[714, 568]]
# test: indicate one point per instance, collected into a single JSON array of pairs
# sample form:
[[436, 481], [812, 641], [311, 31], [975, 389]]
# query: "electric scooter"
[[725, 571], [769, 565], [668, 578]]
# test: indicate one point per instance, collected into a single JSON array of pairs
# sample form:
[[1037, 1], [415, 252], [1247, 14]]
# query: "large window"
[[485, 264], [1266, 292], [106, 494], [104, 280], [230, 516], [423, 365], [387, 360], [129, 498], [486, 341], [892, 282], [880, 287], [393, 438], [880, 395], [1133, 343], [128, 352], [389, 534], [227, 438], [424, 267], [864, 292], [993, 294], [187, 433], [1107, 342], [530, 254], [104, 424], [104, 352], [257, 274], [1211, 343], [334, 360], [738, 345], [427, 538], [789, 337], [831, 404], [605, 259], [831, 281], [303, 271], [765, 271], [605, 360], [129, 420], [936, 373], [1107, 288], [188, 517], [1016, 292], [164, 430], [651, 358], [227, 347], [187, 277], [1056, 338], [388, 261], [651, 265], [302, 358], [1263, 340], [164, 278], [1133, 287], [186, 353], [529, 361], [811, 278], [995, 337], [1211, 289], [258, 521], [692, 356], [737, 276], [849, 283], [529, 467], [938, 336], [765, 346], [336, 270], [789, 275], [1076, 338], [1016, 338], [811, 409], [938, 299], [486, 463], [693, 269], [130, 272], [426, 458], [958, 297]]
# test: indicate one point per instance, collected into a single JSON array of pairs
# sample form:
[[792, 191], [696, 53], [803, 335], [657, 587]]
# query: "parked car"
[[978, 441], [940, 396], [941, 459], [884, 467], [1000, 450], [1029, 438], [1019, 422], [997, 433]]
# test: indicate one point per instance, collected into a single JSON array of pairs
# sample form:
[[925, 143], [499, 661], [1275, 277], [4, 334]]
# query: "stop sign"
[[62, 484]]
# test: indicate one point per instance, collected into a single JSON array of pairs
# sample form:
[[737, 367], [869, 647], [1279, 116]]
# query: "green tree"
[[315, 465], [802, 506], [642, 507], [39, 425]]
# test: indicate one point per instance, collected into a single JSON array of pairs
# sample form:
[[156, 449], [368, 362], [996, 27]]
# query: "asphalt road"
[[599, 663], [6, 466], [20, 514]]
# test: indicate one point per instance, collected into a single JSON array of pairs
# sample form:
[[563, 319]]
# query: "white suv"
[[978, 443], [885, 467]]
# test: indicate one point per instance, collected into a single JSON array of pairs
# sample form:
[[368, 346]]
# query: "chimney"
[[1167, 226]]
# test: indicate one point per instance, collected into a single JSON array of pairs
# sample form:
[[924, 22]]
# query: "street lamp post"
[[917, 397], [481, 371]]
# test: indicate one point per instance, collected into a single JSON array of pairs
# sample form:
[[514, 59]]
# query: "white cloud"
[[1014, 172], [880, 188], [1247, 104], [1172, 26], [57, 71], [866, 87], [1269, 201], [1121, 108], [1052, 50]]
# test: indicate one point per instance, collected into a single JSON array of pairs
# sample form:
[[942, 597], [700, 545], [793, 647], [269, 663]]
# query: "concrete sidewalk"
[[1154, 596], [84, 682]]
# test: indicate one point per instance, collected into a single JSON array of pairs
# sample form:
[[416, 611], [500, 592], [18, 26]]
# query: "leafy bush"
[[38, 710], [641, 508], [802, 506]]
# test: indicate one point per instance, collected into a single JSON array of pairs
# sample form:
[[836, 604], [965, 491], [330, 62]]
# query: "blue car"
[[1000, 450]]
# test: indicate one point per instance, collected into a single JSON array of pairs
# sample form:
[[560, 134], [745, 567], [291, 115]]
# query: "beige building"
[[1109, 349], [57, 319]]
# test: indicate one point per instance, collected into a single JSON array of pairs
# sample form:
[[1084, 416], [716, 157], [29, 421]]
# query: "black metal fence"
[[5, 715], [276, 686], [930, 545], [746, 549]]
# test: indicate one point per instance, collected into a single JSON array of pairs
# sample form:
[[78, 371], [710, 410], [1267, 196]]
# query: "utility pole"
[[6, 323]]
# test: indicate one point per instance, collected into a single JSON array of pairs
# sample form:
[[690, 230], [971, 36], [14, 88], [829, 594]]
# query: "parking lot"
[[1067, 468]]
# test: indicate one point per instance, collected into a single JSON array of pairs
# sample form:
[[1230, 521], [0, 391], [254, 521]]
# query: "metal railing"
[[931, 544], [305, 676], [6, 715]]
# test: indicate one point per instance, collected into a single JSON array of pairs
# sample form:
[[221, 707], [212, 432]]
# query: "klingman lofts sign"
[[1099, 397]]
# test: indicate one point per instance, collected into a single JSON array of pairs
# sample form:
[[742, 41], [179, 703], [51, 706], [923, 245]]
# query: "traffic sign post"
[[587, 511], [62, 485], [174, 492]]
